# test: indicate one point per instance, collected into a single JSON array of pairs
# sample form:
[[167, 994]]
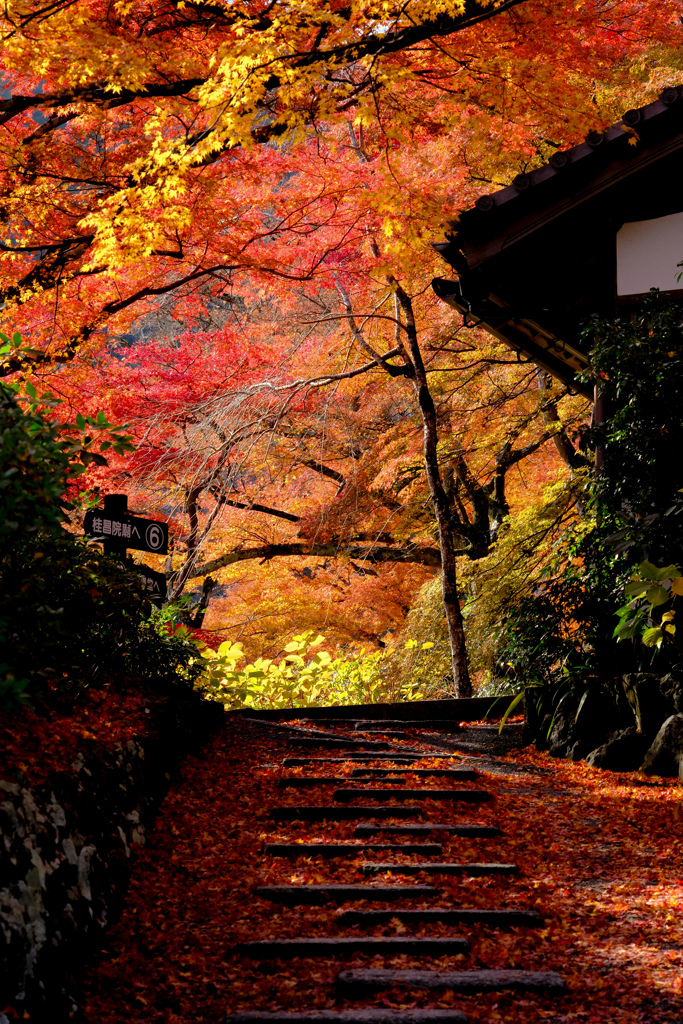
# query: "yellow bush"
[[297, 680]]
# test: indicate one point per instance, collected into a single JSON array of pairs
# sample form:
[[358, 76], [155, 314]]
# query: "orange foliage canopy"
[[160, 148], [187, 193]]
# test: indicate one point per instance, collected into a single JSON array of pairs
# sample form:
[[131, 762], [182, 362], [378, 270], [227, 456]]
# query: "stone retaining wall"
[[65, 855]]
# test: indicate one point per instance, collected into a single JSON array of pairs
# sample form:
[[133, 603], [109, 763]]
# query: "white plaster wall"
[[647, 254]]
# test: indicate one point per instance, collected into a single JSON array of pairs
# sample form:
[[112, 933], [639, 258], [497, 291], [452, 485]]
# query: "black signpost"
[[118, 531], [155, 582]]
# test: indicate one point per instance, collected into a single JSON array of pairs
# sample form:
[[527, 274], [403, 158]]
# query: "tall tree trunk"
[[456, 633]]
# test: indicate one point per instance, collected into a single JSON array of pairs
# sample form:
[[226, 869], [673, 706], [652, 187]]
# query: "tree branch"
[[376, 554], [373, 45]]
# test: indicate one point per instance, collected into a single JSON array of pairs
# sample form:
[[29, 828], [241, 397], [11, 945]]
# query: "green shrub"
[[561, 636], [70, 617], [34, 474]]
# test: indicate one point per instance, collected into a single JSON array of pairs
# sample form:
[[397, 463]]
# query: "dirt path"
[[599, 857]]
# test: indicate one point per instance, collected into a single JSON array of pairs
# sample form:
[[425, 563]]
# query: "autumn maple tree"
[[268, 177]]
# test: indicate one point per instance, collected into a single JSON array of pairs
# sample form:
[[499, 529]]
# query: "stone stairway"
[[373, 800]]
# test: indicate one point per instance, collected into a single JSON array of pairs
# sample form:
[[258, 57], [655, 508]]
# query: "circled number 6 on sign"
[[154, 536]]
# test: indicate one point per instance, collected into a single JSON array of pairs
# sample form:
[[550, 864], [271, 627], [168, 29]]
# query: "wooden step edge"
[[358, 983], [435, 868], [454, 795], [368, 1015], [292, 850], [501, 917], [336, 892], [393, 945]]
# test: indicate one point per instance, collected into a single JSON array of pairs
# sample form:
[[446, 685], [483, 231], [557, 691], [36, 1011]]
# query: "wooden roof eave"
[[516, 213], [523, 335]]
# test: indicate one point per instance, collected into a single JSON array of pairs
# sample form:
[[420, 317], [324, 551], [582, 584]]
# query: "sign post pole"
[[115, 507]]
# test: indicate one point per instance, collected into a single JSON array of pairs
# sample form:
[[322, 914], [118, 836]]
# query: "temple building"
[[589, 233]]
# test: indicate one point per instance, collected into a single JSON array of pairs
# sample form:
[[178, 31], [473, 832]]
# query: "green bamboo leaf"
[[511, 707]]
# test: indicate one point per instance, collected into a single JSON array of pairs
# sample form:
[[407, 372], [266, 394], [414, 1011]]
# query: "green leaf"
[[30, 390], [657, 596], [668, 572], [511, 707], [16, 339], [653, 637], [80, 421], [581, 703]]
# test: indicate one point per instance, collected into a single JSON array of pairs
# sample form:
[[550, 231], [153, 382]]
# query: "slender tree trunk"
[[456, 633]]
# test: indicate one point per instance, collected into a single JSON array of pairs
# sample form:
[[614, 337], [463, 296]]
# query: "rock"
[[531, 721], [650, 706], [581, 725], [665, 756], [671, 686], [559, 741], [623, 752], [542, 734]]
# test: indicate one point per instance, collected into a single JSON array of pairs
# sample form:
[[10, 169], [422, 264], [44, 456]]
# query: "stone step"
[[472, 796], [370, 1015], [293, 850], [331, 720], [300, 895], [418, 828], [394, 734], [461, 774], [281, 949], [435, 868], [357, 984], [372, 725], [310, 781], [501, 918], [308, 742], [355, 758], [314, 813], [288, 727]]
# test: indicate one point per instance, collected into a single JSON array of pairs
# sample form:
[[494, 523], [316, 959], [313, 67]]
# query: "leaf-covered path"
[[599, 857]]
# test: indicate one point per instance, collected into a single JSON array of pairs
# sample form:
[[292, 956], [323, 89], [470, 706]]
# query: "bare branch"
[[374, 554]]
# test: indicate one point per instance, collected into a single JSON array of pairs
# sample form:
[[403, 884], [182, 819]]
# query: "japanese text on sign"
[[128, 531], [112, 528]]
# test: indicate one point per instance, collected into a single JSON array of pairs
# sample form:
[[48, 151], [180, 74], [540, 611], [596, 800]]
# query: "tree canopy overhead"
[[164, 147], [214, 224]]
